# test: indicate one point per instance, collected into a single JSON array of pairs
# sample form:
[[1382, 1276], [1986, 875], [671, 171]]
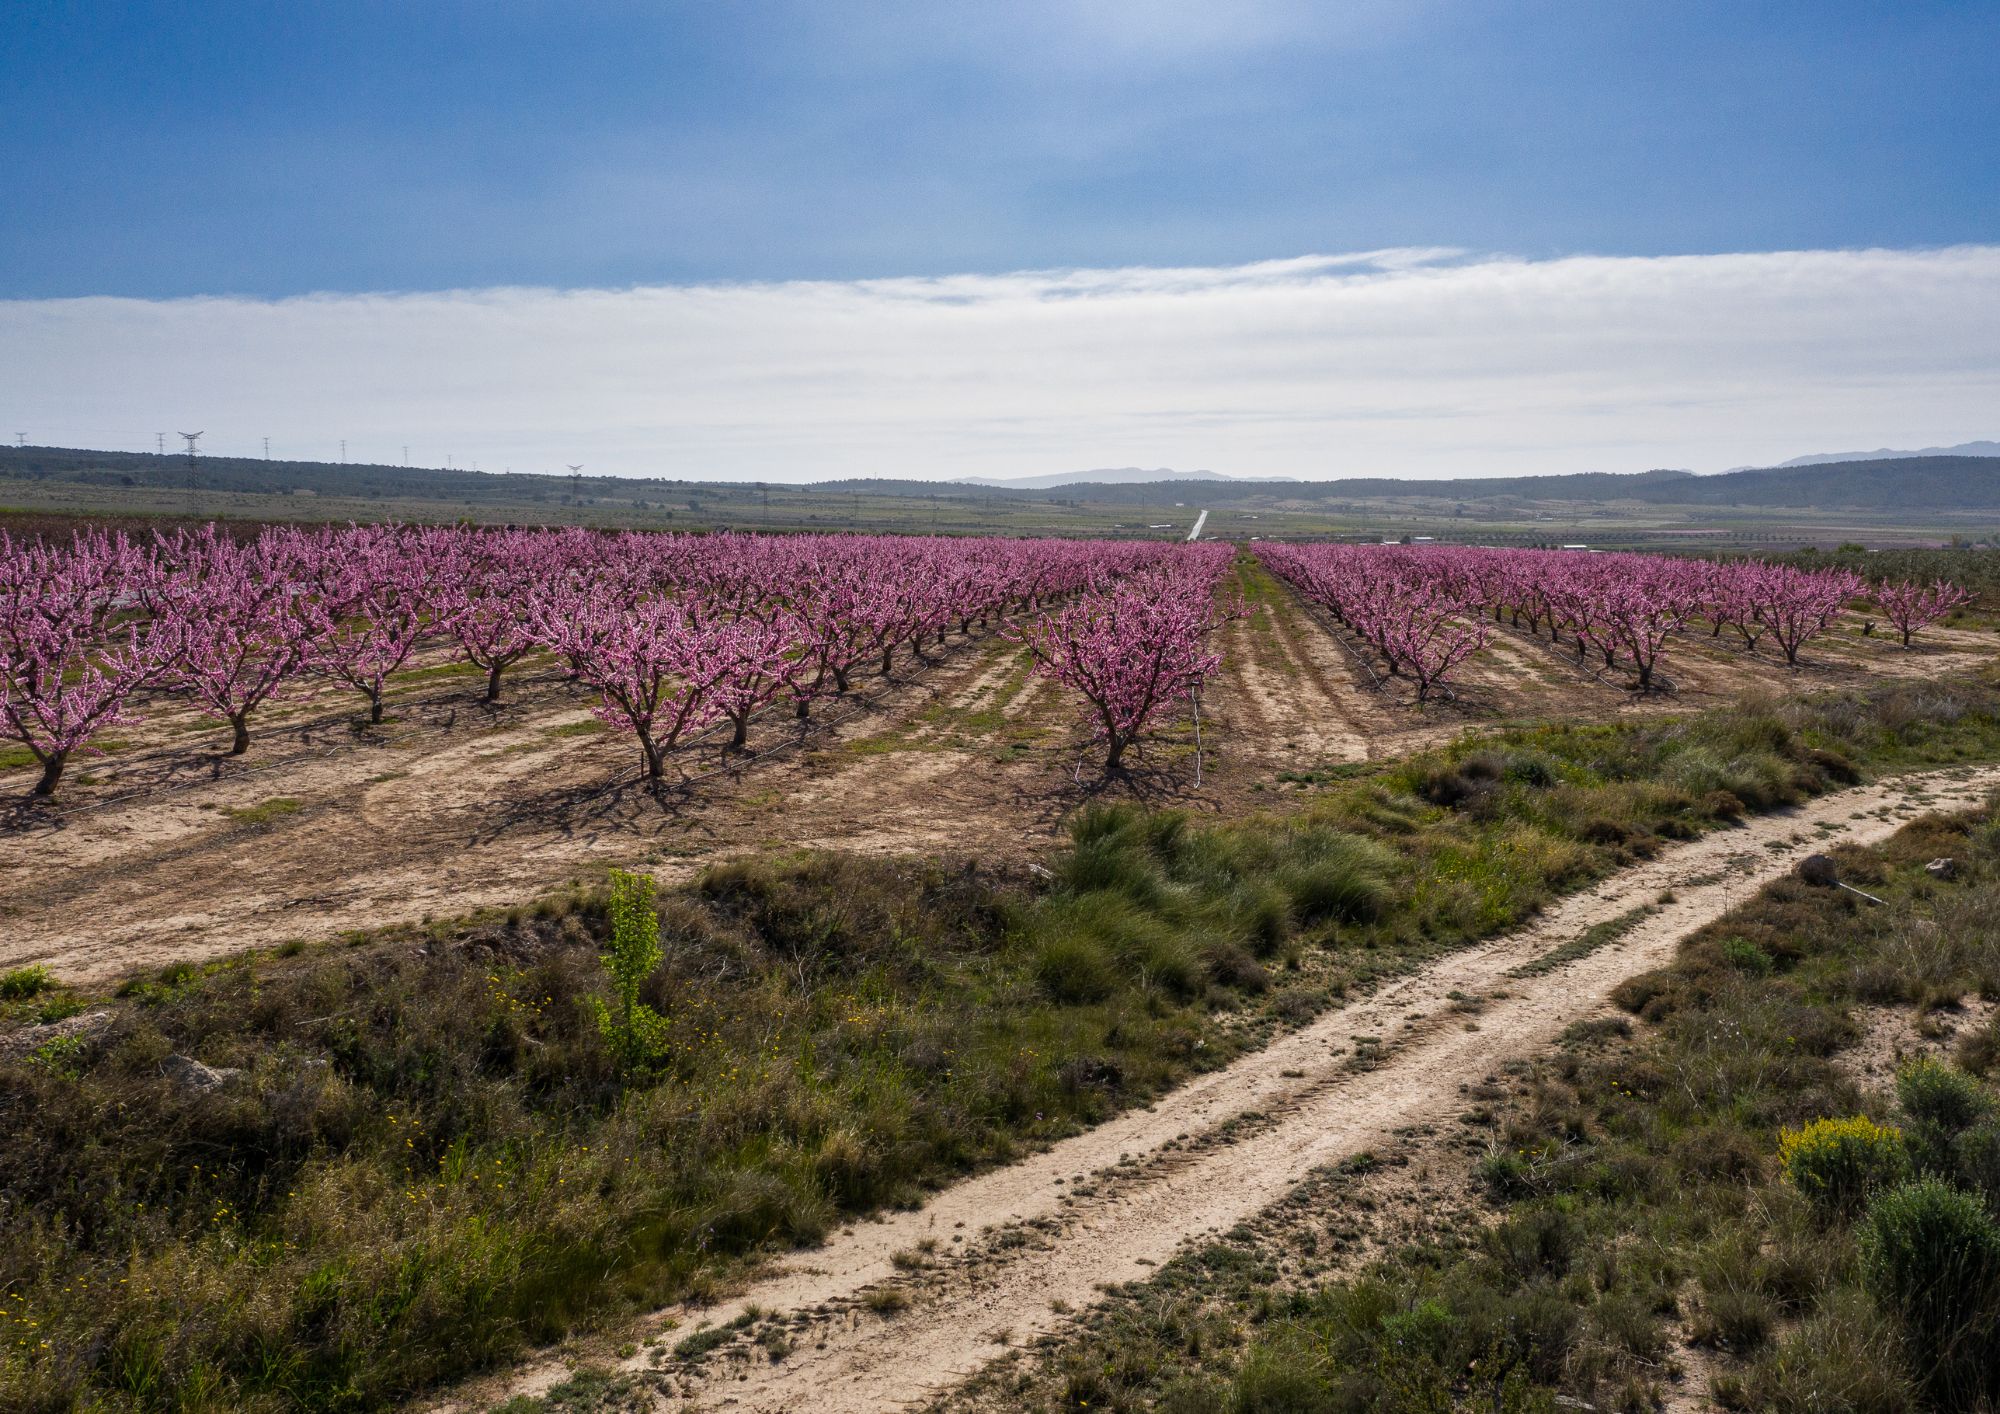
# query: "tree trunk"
[[1114, 759], [804, 708], [840, 679], [887, 654], [52, 769], [493, 683], [656, 763], [241, 722], [375, 705], [741, 737]]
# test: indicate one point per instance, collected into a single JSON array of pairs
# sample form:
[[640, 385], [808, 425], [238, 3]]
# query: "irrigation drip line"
[[1661, 685], [819, 725], [330, 720], [1340, 634], [1561, 655]]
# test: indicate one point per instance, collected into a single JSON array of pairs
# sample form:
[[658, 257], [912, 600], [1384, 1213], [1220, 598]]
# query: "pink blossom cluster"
[[1911, 607], [1422, 622], [673, 633], [1420, 607], [75, 644], [1133, 647]]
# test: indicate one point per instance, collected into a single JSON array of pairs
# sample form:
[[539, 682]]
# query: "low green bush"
[[1975, 1160], [24, 982], [1837, 1163], [1746, 956], [1931, 1257], [1940, 1098], [638, 1034]]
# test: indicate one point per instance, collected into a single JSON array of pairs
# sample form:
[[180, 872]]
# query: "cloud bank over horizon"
[[1406, 362]]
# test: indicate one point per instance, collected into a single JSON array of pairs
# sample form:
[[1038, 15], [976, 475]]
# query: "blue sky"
[[160, 150], [772, 241]]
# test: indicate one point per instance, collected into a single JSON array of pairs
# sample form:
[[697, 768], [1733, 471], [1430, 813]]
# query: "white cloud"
[[1389, 362]]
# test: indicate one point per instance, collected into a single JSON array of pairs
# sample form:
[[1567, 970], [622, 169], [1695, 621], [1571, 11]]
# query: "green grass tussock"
[[21, 983]]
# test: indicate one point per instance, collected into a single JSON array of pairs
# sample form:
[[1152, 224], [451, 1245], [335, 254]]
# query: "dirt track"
[[1010, 1251]]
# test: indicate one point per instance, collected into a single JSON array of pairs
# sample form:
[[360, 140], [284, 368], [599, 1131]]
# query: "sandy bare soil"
[[1704, 669], [168, 851], [1004, 1257], [1287, 698]]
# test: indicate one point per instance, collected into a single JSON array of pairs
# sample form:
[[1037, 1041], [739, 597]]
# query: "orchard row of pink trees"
[[1423, 624], [1421, 607], [673, 633], [1137, 646]]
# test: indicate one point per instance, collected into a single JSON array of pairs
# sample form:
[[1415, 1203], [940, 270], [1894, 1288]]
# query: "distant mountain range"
[[1907, 485], [1607, 488], [1103, 476], [1963, 449]]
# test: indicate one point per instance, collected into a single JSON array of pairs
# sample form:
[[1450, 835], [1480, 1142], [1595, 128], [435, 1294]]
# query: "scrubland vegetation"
[[1698, 1194], [406, 1157]]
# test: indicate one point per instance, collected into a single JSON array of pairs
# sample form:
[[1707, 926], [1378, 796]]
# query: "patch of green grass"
[[61, 1057], [1596, 936], [991, 717], [590, 726], [17, 757], [1328, 775], [701, 1342], [20, 983], [264, 812], [884, 743]]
